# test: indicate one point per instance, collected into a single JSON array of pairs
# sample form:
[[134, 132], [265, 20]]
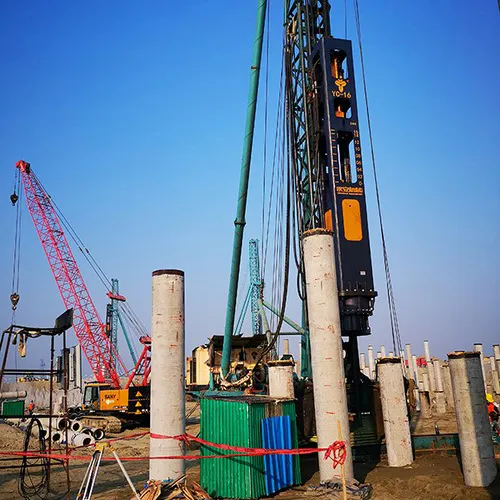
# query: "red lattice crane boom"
[[89, 329]]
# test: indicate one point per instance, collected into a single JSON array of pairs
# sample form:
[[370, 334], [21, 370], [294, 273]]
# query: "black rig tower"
[[327, 164]]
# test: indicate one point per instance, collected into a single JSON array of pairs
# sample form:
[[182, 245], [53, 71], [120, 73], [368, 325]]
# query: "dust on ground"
[[444, 423], [431, 476]]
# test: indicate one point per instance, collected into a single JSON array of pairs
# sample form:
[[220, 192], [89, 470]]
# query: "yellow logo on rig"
[[356, 191], [340, 84]]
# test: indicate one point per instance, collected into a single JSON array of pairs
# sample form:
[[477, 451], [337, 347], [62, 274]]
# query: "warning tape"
[[336, 451]]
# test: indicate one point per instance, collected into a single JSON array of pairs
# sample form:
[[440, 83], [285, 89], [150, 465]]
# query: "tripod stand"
[[88, 483]]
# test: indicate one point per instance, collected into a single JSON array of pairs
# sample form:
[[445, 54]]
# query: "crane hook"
[[14, 198], [14, 298]]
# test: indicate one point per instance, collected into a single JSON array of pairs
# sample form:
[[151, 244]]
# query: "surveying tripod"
[[88, 483]]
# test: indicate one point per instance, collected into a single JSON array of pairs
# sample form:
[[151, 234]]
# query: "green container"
[[13, 408], [237, 421]]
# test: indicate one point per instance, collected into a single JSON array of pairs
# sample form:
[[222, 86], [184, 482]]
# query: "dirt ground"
[[445, 423], [431, 476]]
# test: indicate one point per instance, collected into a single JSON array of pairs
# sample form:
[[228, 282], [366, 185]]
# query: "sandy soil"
[[431, 476], [446, 423]]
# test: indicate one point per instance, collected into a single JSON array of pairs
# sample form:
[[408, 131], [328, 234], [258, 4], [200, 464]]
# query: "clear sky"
[[132, 115]]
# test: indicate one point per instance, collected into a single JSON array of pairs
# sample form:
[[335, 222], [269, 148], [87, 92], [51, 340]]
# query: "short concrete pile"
[[396, 425], [430, 377], [476, 446], [462, 383]]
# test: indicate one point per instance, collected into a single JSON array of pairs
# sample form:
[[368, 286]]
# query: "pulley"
[[14, 198], [14, 299]]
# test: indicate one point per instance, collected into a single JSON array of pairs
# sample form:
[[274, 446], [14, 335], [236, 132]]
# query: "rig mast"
[[325, 165], [326, 159]]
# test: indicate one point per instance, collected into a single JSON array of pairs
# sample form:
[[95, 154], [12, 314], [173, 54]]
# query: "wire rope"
[[266, 100], [396, 337], [286, 269], [138, 327], [276, 159], [34, 470], [345, 19], [16, 199]]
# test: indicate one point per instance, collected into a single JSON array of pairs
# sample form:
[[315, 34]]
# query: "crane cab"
[[104, 398], [99, 397]]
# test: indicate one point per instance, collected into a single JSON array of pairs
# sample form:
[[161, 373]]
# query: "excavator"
[[117, 396]]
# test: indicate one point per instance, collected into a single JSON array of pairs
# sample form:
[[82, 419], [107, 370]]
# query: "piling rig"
[[325, 172], [327, 163]]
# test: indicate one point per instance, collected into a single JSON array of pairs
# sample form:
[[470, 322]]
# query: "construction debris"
[[181, 488], [188, 489], [334, 489]]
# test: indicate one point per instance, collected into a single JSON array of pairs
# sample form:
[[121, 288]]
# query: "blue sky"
[[132, 115]]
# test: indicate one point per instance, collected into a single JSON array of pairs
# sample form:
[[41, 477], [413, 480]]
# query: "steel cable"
[[33, 472], [16, 260], [137, 326], [396, 337]]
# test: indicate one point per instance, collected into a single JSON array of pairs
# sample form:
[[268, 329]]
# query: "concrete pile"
[[460, 384], [430, 376]]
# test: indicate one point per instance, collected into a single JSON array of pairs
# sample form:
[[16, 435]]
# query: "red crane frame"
[[89, 329]]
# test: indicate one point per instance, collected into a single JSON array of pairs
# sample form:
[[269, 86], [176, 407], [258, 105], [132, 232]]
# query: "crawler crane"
[[117, 393]]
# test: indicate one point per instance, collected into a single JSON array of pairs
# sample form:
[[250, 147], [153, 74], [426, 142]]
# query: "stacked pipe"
[[95, 432], [76, 433], [73, 438]]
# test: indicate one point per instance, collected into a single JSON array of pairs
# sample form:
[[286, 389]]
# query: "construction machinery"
[[328, 166], [117, 393], [324, 183]]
